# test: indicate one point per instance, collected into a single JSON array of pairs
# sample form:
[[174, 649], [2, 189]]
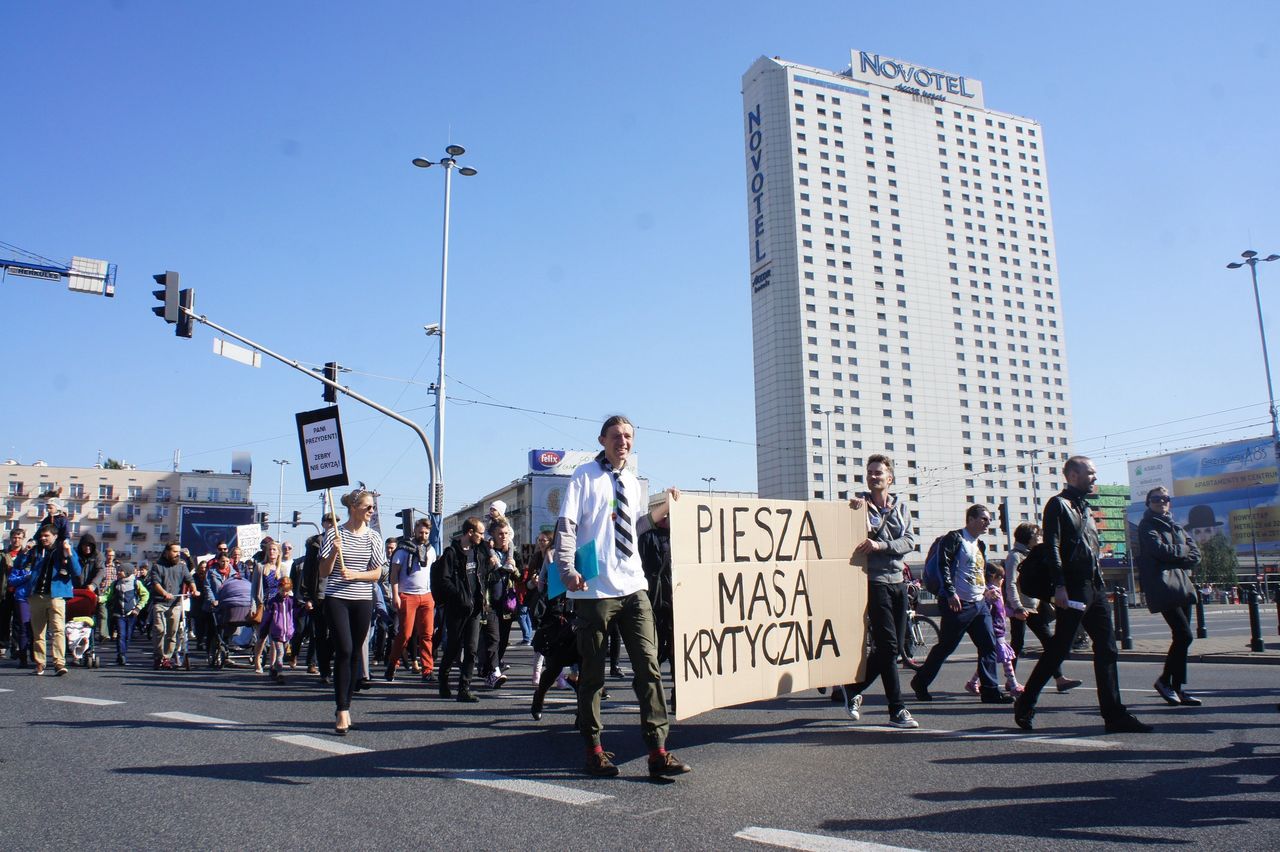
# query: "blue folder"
[[586, 564]]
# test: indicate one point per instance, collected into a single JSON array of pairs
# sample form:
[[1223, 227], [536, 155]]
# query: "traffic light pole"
[[437, 497]]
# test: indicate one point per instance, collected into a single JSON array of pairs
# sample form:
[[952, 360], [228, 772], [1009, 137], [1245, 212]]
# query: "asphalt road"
[[115, 759]]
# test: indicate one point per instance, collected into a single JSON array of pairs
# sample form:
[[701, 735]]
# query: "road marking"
[[76, 699], [178, 716], [319, 744], [6, 690], [813, 842], [529, 787], [1081, 742]]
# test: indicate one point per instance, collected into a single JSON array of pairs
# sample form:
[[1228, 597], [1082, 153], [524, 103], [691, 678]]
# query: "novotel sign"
[[902, 73]]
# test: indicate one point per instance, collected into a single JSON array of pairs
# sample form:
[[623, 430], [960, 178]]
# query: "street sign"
[[324, 463], [227, 349]]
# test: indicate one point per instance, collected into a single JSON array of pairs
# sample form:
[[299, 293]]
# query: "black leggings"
[[348, 624]]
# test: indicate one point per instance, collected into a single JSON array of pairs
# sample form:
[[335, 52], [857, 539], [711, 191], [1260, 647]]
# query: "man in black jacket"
[[1080, 599], [309, 589], [458, 580]]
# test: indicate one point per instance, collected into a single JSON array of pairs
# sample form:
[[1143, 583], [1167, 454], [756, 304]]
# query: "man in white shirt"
[[602, 512]]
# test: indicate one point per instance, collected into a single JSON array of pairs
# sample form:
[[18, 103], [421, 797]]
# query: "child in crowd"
[[18, 588], [1000, 629], [126, 597], [277, 624]]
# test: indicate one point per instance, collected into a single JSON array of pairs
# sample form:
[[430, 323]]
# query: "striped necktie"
[[623, 537]]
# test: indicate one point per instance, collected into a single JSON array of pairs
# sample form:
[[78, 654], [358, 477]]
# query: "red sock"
[[595, 749], [657, 752]]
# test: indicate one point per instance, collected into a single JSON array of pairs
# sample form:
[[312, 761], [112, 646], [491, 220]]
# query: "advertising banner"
[[1229, 490], [769, 598], [202, 527]]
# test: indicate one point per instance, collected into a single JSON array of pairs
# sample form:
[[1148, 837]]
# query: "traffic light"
[[331, 373], [406, 523], [297, 518], [1003, 509], [187, 303], [264, 520], [167, 310]]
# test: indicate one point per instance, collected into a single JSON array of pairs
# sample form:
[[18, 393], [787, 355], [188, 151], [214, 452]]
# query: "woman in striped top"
[[351, 560]]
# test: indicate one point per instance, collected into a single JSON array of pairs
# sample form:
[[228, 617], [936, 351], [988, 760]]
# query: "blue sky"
[[598, 261]]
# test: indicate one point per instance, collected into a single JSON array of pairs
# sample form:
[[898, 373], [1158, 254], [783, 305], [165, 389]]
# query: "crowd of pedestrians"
[[603, 577]]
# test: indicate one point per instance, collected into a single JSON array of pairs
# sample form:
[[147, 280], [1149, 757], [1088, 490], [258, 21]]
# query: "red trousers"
[[417, 618]]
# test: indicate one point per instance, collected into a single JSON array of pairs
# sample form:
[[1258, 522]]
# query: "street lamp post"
[[448, 163], [1252, 260], [831, 485], [280, 504], [708, 480]]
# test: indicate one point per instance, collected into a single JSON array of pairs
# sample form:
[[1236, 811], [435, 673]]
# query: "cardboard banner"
[[769, 598], [324, 462]]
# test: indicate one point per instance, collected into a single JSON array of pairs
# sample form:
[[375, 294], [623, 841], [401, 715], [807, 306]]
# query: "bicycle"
[[921, 632]]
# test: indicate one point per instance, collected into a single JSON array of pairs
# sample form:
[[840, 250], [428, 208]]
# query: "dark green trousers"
[[635, 621]]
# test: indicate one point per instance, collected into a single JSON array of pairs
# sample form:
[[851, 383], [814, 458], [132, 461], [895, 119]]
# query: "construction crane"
[[83, 274]]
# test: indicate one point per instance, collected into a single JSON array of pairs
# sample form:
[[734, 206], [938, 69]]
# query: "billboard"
[[546, 496], [1230, 490], [202, 527], [565, 462]]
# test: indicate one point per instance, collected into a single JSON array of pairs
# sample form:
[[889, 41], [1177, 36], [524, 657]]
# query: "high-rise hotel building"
[[905, 295]]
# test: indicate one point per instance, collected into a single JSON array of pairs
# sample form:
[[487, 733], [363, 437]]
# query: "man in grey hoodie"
[[889, 540]]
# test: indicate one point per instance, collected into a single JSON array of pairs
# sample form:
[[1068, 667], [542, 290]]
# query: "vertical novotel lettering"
[[755, 156], [913, 75]]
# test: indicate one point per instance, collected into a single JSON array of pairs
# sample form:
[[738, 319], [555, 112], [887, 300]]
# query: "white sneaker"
[[853, 706], [902, 719]]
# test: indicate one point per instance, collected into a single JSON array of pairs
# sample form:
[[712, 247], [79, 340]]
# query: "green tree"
[[113, 464], [1218, 563]]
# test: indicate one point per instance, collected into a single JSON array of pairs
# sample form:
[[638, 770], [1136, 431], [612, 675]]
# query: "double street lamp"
[[1252, 260], [449, 162]]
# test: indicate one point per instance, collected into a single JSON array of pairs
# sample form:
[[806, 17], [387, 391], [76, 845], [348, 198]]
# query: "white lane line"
[[178, 716], [1080, 742], [812, 842], [77, 699], [528, 787], [6, 690], [320, 744]]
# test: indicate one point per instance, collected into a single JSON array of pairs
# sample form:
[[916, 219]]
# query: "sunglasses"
[[1160, 500]]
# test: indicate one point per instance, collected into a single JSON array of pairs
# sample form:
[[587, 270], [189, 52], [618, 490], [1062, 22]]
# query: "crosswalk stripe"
[[320, 744], [179, 716], [812, 842], [78, 699], [529, 787]]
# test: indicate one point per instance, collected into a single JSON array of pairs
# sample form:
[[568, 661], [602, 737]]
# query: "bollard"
[[1255, 621], [1122, 619], [1201, 633]]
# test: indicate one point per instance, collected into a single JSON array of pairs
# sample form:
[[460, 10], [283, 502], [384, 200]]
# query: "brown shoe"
[[667, 765], [600, 764]]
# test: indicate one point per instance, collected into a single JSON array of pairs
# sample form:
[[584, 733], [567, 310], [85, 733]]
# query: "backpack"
[[1034, 579], [932, 574]]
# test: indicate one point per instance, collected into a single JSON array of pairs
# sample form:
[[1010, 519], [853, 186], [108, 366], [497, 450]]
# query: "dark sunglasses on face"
[[1161, 500]]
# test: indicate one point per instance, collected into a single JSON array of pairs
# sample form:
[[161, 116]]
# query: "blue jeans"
[[526, 624], [124, 632], [974, 618]]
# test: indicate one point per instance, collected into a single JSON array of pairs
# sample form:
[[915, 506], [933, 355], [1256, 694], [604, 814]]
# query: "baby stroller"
[[81, 639]]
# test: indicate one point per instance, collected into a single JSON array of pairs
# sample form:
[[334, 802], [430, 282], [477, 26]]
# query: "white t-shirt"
[[588, 502]]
